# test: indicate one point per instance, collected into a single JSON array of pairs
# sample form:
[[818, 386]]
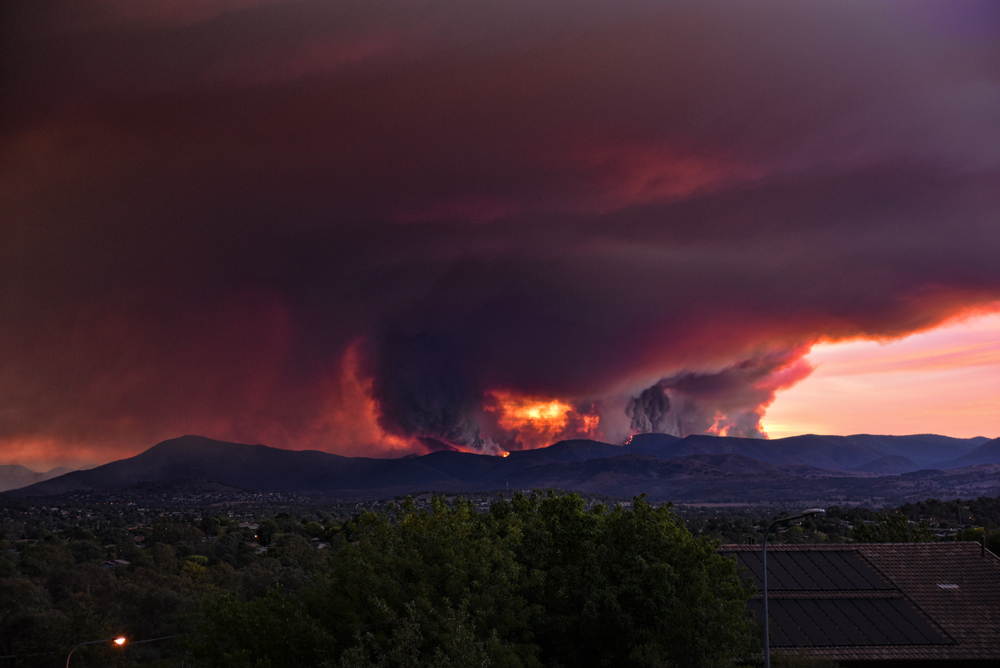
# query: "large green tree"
[[538, 580], [626, 587]]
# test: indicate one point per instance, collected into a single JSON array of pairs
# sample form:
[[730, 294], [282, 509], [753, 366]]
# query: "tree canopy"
[[537, 580]]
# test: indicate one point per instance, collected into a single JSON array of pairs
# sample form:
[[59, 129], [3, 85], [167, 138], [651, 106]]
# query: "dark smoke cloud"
[[729, 401], [650, 411], [424, 394], [351, 231]]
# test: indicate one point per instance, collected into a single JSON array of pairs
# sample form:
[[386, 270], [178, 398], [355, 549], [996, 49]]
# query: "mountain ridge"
[[646, 462]]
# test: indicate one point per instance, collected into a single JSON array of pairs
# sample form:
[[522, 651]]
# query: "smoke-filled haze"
[[382, 228]]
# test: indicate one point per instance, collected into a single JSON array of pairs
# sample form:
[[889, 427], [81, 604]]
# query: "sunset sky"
[[394, 227]]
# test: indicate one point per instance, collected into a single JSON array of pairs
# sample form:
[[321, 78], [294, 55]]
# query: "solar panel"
[[909, 614], [908, 622], [783, 620], [778, 636], [778, 576], [864, 571], [824, 570], [823, 617], [793, 563], [833, 570], [824, 622], [865, 624], [815, 571], [805, 613], [752, 562], [885, 618], [849, 634]]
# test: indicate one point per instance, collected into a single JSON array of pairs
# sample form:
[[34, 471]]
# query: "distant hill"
[[13, 476], [263, 467], [248, 467], [705, 468], [987, 453], [844, 453], [889, 464]]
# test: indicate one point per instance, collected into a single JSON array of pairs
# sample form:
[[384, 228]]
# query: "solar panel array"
[[833, 598], [819, 622], [813, 571]]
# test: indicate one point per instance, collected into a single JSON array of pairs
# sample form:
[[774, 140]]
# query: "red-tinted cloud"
[[331, 225]]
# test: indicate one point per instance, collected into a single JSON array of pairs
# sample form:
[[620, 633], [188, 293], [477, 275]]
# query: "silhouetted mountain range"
[[691, 469]]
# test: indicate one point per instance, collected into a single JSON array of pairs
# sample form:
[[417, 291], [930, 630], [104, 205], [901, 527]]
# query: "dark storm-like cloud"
[[649, 412], [246, 218]]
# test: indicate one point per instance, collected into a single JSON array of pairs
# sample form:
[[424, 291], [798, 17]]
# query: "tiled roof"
[[889, 601]]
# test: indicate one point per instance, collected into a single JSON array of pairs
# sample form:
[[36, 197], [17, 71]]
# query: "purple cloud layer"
[[234, 217]]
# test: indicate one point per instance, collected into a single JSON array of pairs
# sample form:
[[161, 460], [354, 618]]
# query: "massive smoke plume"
[[378, 229]]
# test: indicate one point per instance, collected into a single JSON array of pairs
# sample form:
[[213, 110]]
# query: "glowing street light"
[[120, 640], [780, 520]]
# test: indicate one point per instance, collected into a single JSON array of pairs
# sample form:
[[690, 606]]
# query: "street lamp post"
[[120, 640], [781, 520]]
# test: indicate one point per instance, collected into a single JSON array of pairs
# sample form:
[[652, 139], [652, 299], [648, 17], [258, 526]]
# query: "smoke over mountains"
[[388, 228], [696, 469], [729, 402]]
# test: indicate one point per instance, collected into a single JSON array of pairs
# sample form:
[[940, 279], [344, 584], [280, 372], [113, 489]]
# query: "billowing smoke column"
[[423, 393], [727, 402], [428, 387], [650, 412]]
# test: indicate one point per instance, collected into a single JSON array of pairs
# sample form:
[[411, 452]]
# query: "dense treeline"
[[532, 582], [535, 581], [929, 520]]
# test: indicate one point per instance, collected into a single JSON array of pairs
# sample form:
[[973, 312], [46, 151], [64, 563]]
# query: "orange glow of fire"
[[717, 428], [526, 413], [591, 423], [541, 421]]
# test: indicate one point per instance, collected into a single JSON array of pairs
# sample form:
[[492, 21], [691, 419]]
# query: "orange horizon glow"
[[944, 381]]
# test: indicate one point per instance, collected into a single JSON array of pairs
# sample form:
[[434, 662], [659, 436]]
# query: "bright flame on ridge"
[[539, 422]]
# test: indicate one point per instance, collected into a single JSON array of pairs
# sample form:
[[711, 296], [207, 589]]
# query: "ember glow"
[[531, 422]]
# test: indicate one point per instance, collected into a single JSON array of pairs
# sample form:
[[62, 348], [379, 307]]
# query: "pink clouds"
[[942, 380]]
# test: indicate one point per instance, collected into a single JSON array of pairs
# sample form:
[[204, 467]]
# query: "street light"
[[120, 640], [780, 520]]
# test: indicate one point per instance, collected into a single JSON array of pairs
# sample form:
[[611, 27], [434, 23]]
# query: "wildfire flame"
[[541, 421]]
